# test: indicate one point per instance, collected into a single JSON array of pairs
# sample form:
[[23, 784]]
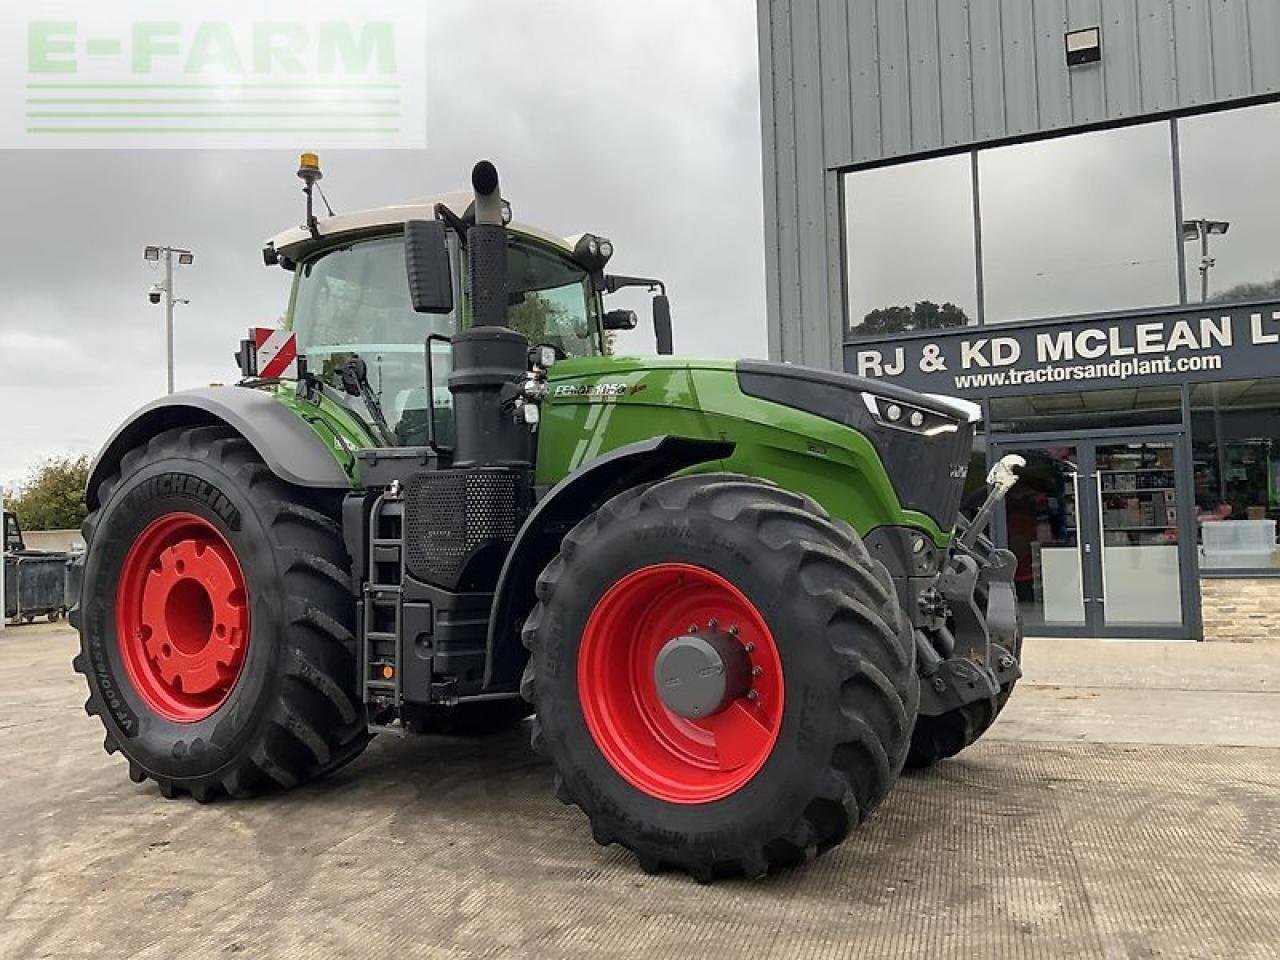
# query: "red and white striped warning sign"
[[277, 353]]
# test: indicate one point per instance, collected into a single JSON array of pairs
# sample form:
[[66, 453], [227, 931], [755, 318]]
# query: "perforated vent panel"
[[452, 515]]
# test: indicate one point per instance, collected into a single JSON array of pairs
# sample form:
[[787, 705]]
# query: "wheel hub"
[[191, 646], [701, 672], [182, 617], [682, 708]]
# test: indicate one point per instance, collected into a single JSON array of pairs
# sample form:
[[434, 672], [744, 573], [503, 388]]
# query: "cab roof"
[[296, 242]]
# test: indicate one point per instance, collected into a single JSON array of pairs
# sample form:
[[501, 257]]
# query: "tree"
[[52, 497], [925, 315], [1264, 290]]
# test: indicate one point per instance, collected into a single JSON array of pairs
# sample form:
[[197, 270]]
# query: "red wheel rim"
[[182, 617], [665, 755]]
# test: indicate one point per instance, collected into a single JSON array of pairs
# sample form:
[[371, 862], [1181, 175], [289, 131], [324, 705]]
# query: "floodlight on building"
[[152, 254], [1084, 46]]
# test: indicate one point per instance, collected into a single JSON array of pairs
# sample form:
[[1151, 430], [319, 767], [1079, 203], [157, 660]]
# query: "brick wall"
[[1241, 610]]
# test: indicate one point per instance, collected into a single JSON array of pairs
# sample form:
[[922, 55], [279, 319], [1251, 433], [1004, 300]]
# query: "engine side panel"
[[597, 405]]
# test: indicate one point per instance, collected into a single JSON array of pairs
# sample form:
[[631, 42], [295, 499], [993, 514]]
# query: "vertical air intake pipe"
[[489, 357]]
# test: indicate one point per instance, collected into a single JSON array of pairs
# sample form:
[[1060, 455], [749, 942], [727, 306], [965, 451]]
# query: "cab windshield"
[[551, 301], [353, 300]]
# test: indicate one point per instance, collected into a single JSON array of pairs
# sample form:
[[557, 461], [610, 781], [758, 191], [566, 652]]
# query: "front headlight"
[[899, 415]]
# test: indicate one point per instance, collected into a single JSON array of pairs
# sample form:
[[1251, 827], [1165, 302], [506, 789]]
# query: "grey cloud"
[[640, 122]]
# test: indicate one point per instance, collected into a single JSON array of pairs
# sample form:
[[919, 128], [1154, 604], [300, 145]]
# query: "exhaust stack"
[[487, 250], [489, 359]]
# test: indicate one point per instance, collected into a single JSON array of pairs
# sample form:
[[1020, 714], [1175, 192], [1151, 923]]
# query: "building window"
[[1080, 224], [1229, 176], [910, 247], [1087, 410], [1235, 443]]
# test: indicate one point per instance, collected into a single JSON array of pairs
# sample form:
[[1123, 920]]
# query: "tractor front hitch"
[[966, 646]]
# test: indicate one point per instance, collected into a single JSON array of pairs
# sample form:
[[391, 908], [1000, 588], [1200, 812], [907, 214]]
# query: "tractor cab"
[[351, 300]]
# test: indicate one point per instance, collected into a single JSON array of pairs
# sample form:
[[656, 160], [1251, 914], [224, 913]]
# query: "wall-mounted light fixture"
[[1084, 46]]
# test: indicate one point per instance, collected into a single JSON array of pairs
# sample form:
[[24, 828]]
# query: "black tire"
[[469, 719], [846, 651], [292, 713], [942, 737]]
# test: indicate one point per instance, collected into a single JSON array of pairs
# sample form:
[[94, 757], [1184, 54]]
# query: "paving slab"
[[1037, 842]]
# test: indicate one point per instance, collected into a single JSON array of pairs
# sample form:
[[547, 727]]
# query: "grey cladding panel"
[[1123, 79], [864, 74], [957, 73], [895, 80], [923, 73], [1193, 51], [988, 69], [849, 82], [1053, 87], [1020, 87], [1158, 80]]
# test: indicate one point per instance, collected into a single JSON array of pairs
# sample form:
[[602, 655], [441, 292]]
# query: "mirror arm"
[[454, 222], [615, 282]]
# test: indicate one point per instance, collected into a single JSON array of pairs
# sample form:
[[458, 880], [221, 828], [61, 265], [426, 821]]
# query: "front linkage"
[[968, 635]]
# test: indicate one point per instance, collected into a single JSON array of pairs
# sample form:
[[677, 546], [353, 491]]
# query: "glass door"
[[1041, 525], [1095, 526], [1139, 549]]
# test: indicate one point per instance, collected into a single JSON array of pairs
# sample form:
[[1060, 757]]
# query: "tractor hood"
[[925, 442]]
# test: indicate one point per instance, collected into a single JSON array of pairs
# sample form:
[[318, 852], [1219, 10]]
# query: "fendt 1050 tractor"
[[737, 596]]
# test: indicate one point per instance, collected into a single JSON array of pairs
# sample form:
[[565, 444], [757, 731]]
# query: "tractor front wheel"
[[722, 679], [215, 621]]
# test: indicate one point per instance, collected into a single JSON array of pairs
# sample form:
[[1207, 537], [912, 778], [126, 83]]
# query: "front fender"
[[291, 448], [564, 505]]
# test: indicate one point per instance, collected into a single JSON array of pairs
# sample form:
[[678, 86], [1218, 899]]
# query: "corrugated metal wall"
[[856, 81]]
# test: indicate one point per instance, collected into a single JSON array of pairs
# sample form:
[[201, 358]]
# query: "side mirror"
[[426, 257], [662, 325], [354, 373], [621, 320]]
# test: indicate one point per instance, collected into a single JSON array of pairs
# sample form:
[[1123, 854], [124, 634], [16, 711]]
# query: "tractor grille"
[[454, 517]]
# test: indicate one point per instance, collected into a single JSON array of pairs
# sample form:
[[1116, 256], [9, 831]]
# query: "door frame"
[[1089, 529]]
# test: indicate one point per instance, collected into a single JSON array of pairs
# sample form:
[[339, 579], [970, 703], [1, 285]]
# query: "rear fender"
[[290, 447], [568, 502]]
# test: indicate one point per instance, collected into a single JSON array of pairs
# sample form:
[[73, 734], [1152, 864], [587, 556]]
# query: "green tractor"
[[737, 596]]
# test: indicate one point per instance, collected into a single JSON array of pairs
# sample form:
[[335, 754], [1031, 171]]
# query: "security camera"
[[155, 293]]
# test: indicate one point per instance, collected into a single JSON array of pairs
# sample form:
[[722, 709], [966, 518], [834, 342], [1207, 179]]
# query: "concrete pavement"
[[1126, 805]]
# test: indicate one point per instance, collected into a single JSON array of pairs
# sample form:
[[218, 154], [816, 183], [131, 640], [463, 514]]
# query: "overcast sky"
[[639, 121]]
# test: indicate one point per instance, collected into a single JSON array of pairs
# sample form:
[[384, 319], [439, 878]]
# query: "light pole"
[[164, 291], [1200, 230]]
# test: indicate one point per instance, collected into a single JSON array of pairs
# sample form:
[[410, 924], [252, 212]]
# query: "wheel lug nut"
[[757, 671], [752, 696], [693, 628], [733, 630], [750, 648], [713, 623]]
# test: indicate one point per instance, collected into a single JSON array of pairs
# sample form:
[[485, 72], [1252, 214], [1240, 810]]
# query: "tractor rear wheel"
[[720, 675], [215, 621]]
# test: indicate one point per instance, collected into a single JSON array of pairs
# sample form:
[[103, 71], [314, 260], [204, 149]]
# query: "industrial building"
[[1069, 212]]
